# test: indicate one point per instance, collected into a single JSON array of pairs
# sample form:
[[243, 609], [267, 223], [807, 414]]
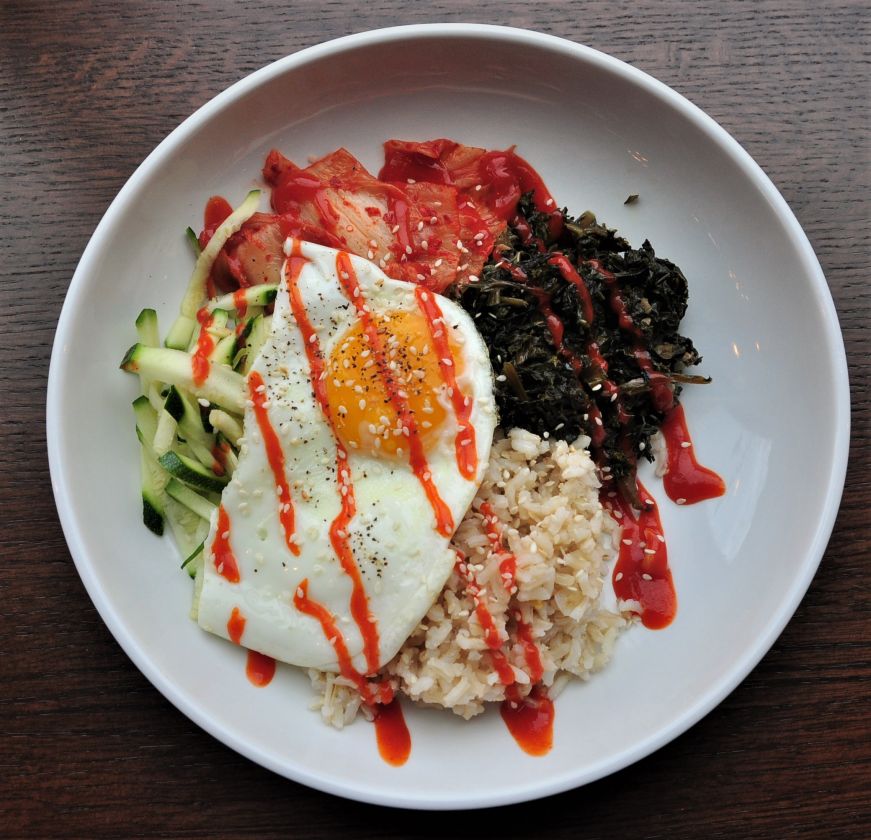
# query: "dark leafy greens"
[[537, 387]]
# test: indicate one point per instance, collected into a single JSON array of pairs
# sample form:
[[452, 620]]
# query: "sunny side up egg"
[[367, 432]]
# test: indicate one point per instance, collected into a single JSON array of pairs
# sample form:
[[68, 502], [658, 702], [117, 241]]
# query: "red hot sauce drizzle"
[[529, 719], [260, 668], [686, 481], [236, 626], [660, 392], [509, 177], [464, 443], [200, 364], [391, 733], [275, 456], [642, 572], [225, 560], [492, 637], [240, 303], [417, 458], [339, 527], [371, 692]]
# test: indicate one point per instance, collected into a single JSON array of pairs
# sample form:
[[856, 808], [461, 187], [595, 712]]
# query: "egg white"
[[403, 560]]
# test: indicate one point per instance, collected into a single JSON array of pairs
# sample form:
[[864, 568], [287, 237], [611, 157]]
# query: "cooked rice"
[[545, 495]]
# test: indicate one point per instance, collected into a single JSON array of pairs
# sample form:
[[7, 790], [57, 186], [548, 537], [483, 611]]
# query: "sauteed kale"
[[566, 392]]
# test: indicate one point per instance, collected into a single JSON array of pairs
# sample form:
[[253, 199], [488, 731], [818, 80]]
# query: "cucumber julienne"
[[185, 459], [223, 386], [192, 472]]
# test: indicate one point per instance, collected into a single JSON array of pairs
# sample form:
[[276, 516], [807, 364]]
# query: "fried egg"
[[366, 435]]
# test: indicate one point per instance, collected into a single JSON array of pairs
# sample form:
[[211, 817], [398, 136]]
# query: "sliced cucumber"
[[146, 328], [203, 454], [195, 295], [194, 554], [261, 295], [146, 419], [192, 472], [149, 335], [226, 424], [191, 236], [196, 570], [153, 477], [261, 326], [223, 386], [188, 529], [152, 503], [220, 319], [225, 350], [230, 459], [164, 435], [186, 411], [180, 333], [192, 500]]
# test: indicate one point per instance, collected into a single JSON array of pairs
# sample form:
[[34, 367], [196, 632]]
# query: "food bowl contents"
[[395, 428]]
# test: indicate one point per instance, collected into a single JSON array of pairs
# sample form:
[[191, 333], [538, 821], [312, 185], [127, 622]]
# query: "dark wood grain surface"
[[87, 747]]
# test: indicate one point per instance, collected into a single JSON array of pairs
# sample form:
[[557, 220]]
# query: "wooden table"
[[87, 746]]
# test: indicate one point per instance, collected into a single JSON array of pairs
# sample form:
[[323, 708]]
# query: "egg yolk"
[[363, 412]]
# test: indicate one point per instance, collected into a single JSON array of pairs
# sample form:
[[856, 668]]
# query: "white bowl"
[[775, 422]]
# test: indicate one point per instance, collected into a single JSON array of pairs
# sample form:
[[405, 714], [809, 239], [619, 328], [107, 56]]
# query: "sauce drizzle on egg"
[[370, 692], [464, 443], [225, 560], [339, 527], [417, 458], [236, 626], [275, 455]]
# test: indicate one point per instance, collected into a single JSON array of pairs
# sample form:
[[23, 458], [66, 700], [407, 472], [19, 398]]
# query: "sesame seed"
[[681, 501], [420, 225], [685, 444], [501, 378], [646, 576], [408, 249], [597, 387], [362, 404], [618, 576], [203, 402]]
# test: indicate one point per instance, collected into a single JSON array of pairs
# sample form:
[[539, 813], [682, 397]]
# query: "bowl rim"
[[835, 355]]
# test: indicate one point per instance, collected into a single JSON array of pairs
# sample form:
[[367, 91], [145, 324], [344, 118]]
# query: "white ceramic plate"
[[775, 423]]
